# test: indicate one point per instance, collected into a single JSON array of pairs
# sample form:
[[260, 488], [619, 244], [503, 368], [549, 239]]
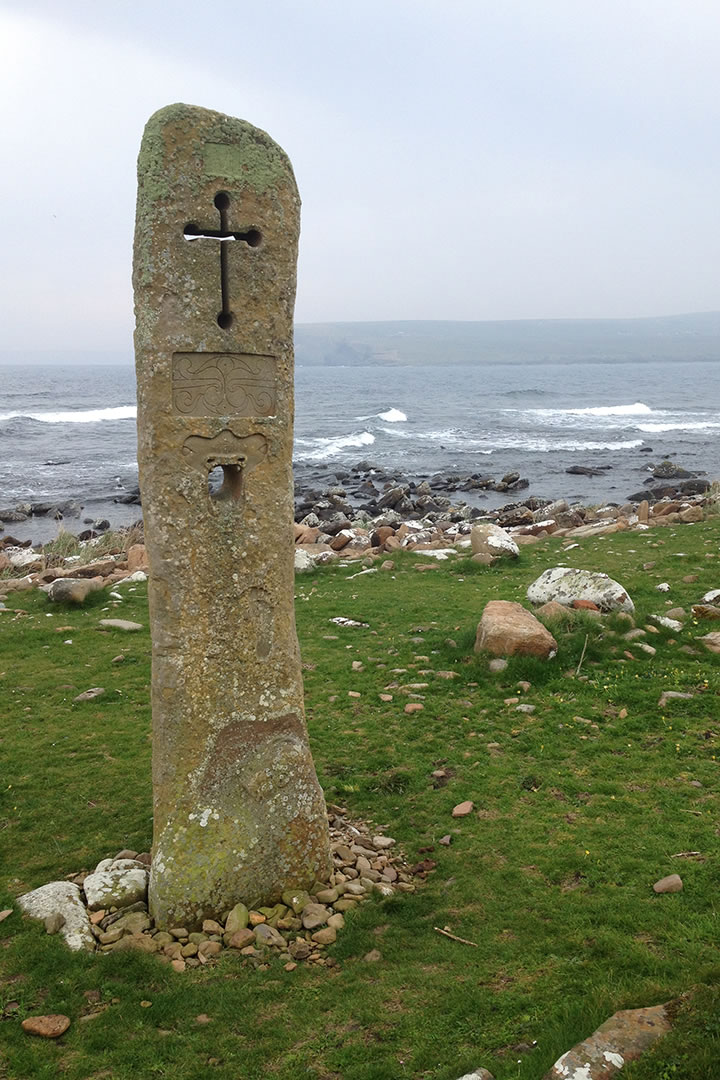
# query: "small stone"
[[382, 843], [4, 914], [190, 949], [497, 665], [314, 915], [91, 694], [210, 926], [237, 919], [120, 659], [414, 707], [126, 853], [385, 697], [255, 918], [47, 1027], [290, 966], [345, 904], [337, 921], [446, 840], [296, 899], [373, 957], [268, 935], [241, 938], [354, 694], [209, 948], [327, 896], [325, 936], [463, 809], [178, 965], [178, 931], [121, 624], [54, 922], [670, 884]]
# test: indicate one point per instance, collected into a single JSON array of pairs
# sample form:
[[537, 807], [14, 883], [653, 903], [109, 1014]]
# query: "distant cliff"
[[673, 338]]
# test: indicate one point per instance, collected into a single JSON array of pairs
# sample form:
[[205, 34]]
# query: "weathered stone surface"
[[117, 886], [492, 540], [61, 898], [238, 812], [121, 624], [622, 1038], [711, 641], [509, 629], [72, 590], [567, 584]]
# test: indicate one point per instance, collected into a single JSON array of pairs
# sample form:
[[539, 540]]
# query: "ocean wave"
[[390, 416], [686, 425], [327, 447], [76, 416], [547, 446], [636, 409]]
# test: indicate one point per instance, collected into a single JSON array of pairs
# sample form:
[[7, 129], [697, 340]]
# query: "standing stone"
[[238, 811]]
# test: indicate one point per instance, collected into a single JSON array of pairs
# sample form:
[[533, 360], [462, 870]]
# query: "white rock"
[[669, 624], [138, 575], [663, 587], [61, 898], [436, 553], [20, 557], [303, 562], [565, 584], [104, 864], [118, 887], [492, 540], [711, 597]]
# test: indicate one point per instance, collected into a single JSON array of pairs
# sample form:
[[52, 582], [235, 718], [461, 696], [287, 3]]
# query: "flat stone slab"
[[61, 898], [622, 1038], [121, 624]]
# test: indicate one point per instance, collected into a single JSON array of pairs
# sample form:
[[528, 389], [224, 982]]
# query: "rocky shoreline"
[[335, 499]]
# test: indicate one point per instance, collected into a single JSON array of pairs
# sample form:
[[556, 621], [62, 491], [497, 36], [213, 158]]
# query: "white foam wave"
[[324, 448], [686, 426], [547, 446], [393, 416], [77, 416], [637, 409]]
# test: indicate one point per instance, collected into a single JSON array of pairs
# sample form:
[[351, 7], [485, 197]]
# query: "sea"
[[68, 431]]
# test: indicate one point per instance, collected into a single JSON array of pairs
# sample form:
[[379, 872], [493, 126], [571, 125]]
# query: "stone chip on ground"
[[622, 1038], [463, 809], [121, 624]]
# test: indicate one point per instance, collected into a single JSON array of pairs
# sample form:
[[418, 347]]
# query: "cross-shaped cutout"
[[252, 237]]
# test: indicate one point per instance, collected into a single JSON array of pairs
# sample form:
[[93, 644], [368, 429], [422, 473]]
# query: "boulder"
[[509, 629], [711, 642], [622, 1038], [137, 558], [303, 562], [117, 886], [61, 898], [71, 590], [566, 585], [490, 539]]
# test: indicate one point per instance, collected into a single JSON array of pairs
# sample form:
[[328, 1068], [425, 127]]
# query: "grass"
[[579, 808]]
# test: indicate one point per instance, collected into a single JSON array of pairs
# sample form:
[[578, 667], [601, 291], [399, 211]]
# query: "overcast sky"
[[457, 159]]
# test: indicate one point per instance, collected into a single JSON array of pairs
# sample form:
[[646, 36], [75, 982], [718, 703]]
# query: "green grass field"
[[580, 806]]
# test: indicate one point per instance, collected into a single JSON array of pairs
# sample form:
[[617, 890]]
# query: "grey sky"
[[457, 159]]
